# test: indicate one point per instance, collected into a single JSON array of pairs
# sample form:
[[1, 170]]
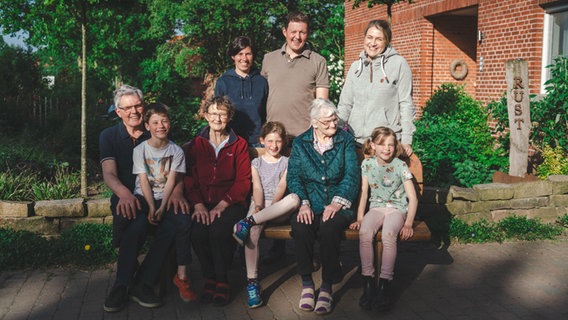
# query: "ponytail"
[[367, 150]]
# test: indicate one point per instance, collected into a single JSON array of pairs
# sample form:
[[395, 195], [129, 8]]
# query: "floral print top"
[[386, 183]]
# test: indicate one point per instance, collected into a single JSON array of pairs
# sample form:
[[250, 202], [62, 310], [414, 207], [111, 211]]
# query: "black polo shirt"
[[115, 143]]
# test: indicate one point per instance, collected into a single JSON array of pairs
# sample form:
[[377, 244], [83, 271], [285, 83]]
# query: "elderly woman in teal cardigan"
[[323, 171]]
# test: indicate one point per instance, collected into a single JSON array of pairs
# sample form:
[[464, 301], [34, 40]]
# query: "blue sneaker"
[[241, 231], [254, 298]]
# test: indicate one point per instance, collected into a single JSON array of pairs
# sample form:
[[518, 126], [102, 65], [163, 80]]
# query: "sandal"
[[324, 303], [222, 294], [307, 299], [208, 291]]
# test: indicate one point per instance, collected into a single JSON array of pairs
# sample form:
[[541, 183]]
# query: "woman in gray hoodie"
[[378, 89]]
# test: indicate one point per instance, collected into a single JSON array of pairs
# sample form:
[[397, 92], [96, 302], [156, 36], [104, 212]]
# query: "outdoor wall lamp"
[[480, 36]]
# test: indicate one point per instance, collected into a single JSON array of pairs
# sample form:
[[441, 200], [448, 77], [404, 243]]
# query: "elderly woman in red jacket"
[[217, 183]]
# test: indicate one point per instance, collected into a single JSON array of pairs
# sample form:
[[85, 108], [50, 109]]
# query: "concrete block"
[[459, 193], [60, 208], [459, 207], [36, 224], [67, 223], [494, 191], [532, 189], [559, 200], [529, 203], [546, 215], [559, 183], [16, 209], [470, 218], [482, 206], [98, 208]]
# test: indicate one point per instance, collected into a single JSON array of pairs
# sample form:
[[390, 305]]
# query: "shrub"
[[513, 227], [64, 185], [555, 161], [549, 116], [23, 249], [477, 232], [85, 244], [15, 186], [454, 141], [563, 220], [88, 244], [527, 229]]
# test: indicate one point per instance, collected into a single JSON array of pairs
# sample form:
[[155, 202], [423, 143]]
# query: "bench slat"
[[421, 233]]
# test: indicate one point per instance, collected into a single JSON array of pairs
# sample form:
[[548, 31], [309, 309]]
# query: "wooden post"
[[519, 115]]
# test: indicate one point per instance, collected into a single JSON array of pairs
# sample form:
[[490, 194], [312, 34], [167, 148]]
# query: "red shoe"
[[222, 294], [208, 291], [185, 292]]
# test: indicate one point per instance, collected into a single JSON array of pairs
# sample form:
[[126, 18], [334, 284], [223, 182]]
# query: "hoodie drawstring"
[[243, 80], [382, 68], [369, 62]]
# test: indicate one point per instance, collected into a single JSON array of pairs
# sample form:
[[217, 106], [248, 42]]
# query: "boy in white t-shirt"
[[158, 162]]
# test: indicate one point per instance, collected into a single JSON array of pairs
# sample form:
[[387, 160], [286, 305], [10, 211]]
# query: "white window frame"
[[546, 42]]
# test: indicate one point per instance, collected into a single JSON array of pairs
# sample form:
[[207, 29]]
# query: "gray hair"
[[322, 107], [126, 90]]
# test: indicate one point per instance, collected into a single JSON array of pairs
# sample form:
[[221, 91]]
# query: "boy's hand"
[[152, 216], [159, 214]]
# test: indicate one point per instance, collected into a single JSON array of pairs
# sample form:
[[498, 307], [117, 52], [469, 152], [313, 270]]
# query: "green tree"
[[388, 3], [206, 28], [64, 31]]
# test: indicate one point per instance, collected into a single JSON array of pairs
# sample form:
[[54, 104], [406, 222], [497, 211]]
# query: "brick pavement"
[[514, 280]]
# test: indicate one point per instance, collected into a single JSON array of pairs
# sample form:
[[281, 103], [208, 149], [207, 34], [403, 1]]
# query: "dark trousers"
[[214, 244], [329, 235], [131, 235]]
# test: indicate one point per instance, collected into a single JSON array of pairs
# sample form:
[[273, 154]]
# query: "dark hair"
[[297, 17], [382, 25], [273, 127], [378, 136], [155, 108], [222, 102], [238, 44]]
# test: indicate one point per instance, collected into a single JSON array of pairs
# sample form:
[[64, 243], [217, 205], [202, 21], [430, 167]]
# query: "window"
[[555, 40]]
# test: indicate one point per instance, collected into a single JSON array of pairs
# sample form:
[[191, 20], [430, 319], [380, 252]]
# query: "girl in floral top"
[[392, 206]]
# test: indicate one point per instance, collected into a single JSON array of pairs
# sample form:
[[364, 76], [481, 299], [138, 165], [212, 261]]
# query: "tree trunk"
[[84, 105]]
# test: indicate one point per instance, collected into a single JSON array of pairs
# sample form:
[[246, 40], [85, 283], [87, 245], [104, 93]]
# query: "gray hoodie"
[[378, 92]]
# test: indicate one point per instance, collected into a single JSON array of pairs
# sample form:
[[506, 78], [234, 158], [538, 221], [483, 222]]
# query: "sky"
[[12, 40]]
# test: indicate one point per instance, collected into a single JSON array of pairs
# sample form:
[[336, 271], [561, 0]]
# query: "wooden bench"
[[421, 231]]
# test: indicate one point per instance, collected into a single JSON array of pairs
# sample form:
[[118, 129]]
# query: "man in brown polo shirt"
[[296, 75]]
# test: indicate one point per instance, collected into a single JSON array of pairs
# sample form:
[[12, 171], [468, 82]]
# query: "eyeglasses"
[[327, 123], [130, 108], [215, 115]]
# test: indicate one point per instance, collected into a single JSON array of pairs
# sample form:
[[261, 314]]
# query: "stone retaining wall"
[[544, 199], [53, 216]]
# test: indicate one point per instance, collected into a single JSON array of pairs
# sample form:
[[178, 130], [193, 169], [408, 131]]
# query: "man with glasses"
[[130, 222]]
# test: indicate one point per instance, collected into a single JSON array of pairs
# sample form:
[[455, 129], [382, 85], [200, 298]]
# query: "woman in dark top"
[[247, 90]]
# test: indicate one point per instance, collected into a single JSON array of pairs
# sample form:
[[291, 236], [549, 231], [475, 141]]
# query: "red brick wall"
[[430, 41], [513, 30]]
